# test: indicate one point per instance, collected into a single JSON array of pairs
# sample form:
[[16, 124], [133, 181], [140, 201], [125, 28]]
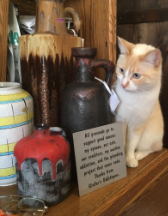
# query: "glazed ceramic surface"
[[46, 61], [85, 101], [16, 122], [43, 168]]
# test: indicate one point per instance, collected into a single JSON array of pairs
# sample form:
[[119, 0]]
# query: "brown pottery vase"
[[46, 62], [85, 101]]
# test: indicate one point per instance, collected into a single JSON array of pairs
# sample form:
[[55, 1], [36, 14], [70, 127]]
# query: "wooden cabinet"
[[98, 20]]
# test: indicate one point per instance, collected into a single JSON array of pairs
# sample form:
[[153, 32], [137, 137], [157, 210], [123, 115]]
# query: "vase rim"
[[84, 51], [9, 85], [41, 126]]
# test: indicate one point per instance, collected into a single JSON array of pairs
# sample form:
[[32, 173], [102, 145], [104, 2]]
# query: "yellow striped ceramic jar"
[[16, 122]]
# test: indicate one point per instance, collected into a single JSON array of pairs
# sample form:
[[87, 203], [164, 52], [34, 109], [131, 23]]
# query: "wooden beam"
[[142, 16], [4, 7]]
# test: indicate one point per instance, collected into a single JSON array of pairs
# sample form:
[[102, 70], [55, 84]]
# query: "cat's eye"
[[121, 70], [136, 75]]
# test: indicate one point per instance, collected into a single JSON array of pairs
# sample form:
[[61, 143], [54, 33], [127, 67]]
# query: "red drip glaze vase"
[[43, 165]]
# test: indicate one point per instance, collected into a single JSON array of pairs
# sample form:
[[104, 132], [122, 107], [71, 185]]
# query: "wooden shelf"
[[114, 198]]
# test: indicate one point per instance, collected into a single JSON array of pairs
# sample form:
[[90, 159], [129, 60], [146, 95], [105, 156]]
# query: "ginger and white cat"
[[138, 70]]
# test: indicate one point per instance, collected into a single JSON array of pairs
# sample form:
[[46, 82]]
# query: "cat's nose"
[[123, 85]]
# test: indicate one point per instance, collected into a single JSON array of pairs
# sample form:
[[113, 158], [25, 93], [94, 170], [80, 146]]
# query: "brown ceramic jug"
[[46, 62], [85, 101]]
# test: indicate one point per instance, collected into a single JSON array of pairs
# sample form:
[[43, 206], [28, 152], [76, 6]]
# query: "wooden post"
[[98, 26], [4, 7]]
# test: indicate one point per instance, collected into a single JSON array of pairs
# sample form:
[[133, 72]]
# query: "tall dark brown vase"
[[85, 101], [46, 62]]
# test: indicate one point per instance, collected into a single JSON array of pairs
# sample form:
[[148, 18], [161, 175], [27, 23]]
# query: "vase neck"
[[50, 17], [83, 70], [41, 130]]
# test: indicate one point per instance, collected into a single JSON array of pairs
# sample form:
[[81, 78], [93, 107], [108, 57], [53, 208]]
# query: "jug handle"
[[75, 18], [107, 65], [57, 130]]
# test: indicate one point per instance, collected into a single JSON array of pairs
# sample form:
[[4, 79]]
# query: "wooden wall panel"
[[3, 37], [155, 34], [142, 33], [124, 5]]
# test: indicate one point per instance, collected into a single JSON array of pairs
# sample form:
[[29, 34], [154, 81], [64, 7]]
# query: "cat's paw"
[[139, 155], [131, 162]]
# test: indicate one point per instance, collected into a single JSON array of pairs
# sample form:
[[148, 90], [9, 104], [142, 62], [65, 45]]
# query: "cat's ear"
[[124, 46], [153, 57]]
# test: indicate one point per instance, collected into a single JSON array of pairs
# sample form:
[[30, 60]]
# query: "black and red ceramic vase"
[[85, 101], [43, 165]]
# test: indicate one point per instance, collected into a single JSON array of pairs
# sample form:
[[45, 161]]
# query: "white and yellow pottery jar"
[[16, 122]]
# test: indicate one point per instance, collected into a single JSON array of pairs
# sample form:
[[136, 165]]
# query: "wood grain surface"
[[125, 5], [142, 16], [112, 199], [3, 37], [153, 201]]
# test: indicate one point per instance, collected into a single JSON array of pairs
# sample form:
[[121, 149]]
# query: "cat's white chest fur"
[[135, 107]]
